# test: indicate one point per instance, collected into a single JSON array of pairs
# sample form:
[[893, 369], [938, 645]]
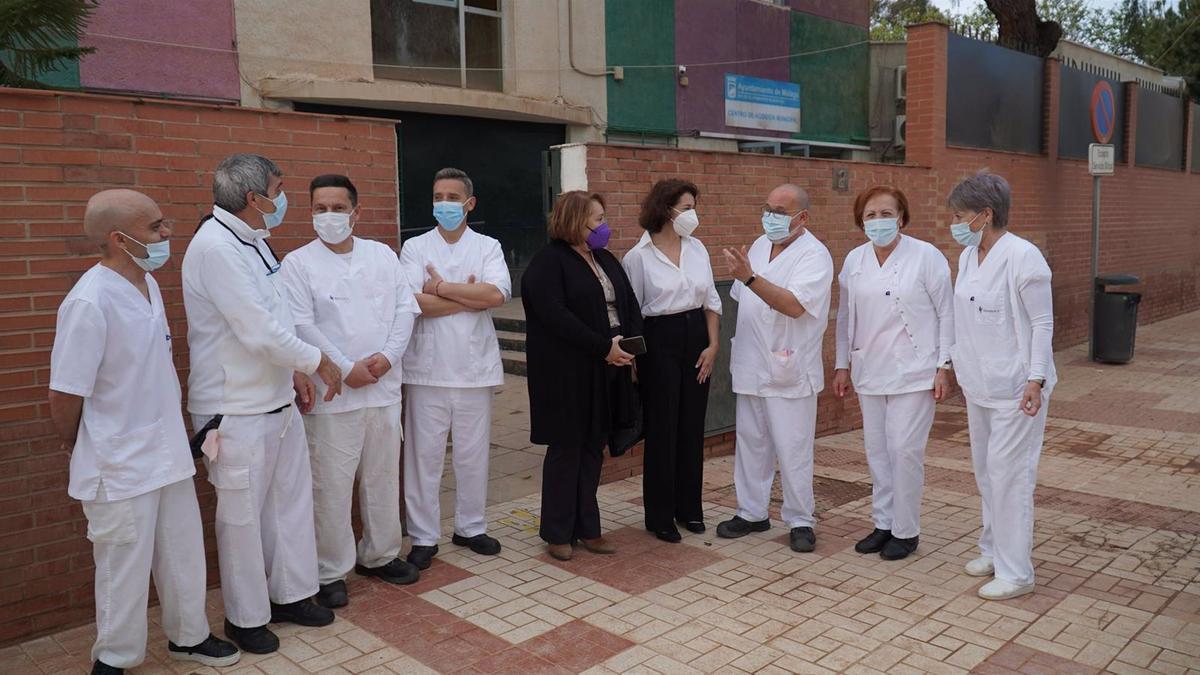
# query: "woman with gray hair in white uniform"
[[1002, 355]]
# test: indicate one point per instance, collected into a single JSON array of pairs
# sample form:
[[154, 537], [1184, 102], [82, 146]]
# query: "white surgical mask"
[[686, 223], [963, 234], [777, 226], [332, 227], [882, 231], [156, 253]]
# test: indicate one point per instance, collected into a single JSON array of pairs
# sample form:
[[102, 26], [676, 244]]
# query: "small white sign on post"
[[1102, 159]]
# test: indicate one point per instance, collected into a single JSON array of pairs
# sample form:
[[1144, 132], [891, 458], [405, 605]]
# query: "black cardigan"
[[567, 339]]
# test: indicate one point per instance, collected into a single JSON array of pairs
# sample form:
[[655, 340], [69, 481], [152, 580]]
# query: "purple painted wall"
[[723, 30], [186, 66], [857, 12]]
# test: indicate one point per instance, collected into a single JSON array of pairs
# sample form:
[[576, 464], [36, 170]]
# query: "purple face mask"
[[598, 237]]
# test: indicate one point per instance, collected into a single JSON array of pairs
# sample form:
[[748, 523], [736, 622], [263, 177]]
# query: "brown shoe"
[[560, 551], [599, 545]]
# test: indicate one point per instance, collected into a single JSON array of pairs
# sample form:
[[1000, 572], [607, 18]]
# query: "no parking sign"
[[1104, 111]]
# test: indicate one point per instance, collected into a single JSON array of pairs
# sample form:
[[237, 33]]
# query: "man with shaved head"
[[782, 289], [115, 402]]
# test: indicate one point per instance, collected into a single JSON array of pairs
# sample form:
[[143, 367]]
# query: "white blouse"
[[662, 288]]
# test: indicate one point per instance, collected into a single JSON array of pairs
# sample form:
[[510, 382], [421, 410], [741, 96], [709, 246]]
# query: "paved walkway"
[[1117, 555]]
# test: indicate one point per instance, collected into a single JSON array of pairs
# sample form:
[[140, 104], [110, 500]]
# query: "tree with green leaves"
[[1163, 35], [890, 17], [38, 37]]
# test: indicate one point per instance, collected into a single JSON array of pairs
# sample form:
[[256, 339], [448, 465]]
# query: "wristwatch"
[[751, 280]]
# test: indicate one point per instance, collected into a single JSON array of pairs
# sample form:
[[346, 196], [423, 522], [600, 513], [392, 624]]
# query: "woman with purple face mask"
[[578, 306]]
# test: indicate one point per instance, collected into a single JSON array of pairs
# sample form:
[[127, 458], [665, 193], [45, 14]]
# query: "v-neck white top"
[[664, 288]]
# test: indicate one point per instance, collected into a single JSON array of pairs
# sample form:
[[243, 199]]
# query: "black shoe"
[[480, 543], [259, 640], [874, 542], [333, 595], [302, 612], [693, 526], [422, 556], [803, 539], [213, 652], [899, 549], [396, 572], [101, 668], [669, 534], [739, 527]]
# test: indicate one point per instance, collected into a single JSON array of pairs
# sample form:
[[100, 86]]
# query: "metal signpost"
[[1101, 162]]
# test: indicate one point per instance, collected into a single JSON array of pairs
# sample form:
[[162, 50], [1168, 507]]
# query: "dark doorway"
[[504, 159]]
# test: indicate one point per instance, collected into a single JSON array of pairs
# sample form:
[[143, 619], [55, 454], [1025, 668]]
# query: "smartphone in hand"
[[635, 345]]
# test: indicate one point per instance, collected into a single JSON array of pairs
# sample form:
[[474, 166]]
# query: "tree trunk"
[[1021, 29]]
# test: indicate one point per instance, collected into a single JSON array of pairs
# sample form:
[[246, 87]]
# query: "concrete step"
[[510, 324], [511, 340], [514, 362]]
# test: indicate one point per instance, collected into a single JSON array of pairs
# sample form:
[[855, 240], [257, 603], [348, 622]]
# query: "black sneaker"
[[213, 652], [422, 556], [874, 542], [669, 534], [259, 640], [101, 668], [303, 612], [396, 572], [333, 595], [739, 527], [899, 549], [803, 539], [693, 526], [480, 543]]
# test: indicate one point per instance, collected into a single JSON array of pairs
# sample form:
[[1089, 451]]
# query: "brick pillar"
[[926, 106], [1189, 112], [1131, 114], [1050, 108]]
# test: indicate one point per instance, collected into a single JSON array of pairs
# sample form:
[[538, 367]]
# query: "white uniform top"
[[1003, 323], [459, 350], [661, 287], [772, 354], [351, 307], [114, 349], [895, 323], [241, 337]]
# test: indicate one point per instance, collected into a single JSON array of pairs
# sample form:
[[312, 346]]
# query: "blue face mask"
[[963, 234], [275, 219], [882, 231], [448, 214], [777, 226], [156, 253]]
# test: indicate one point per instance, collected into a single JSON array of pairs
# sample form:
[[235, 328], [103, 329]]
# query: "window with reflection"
[[455, 43]]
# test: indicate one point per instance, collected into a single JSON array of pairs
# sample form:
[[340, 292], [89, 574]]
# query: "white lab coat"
[[459, 350], [895, 324], [1004, 327], [352, 306], [662, 288], [131, 466], [241, 337], [777, 373]]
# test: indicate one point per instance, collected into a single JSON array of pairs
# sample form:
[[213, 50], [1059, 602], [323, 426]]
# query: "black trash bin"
[[1115, 324]]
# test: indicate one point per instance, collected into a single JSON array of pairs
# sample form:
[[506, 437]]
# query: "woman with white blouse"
[[672, 277], [894, 331], [1003, 327]]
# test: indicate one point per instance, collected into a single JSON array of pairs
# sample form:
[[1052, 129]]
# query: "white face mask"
[[686, 223], [332, 227]]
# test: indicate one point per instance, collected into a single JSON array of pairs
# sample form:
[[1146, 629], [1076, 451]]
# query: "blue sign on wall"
[[761, 104]]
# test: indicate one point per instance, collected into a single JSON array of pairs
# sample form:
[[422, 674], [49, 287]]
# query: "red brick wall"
[[56, 150]]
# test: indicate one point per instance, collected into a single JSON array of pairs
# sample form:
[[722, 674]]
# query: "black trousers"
[[673, 406], [570, 478]]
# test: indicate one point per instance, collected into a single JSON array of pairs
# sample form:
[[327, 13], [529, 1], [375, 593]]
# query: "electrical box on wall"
[[898, 137]]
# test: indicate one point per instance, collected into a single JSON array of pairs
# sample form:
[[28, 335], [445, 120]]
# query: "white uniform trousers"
[[155, 533], [363, 443], [265, 539], [895, 431], [1005, 447], [430, 413], [770, 428]]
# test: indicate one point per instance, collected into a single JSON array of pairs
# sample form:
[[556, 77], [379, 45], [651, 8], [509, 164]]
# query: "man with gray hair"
[[247, 366], [783, 286]]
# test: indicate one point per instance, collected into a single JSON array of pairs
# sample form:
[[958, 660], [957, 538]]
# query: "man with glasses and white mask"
[[247, 366], [350, 299], [782, 289], [114, 399]]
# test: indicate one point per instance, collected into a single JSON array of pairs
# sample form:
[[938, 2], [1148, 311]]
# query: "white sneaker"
[[999, 589], [980, 567]]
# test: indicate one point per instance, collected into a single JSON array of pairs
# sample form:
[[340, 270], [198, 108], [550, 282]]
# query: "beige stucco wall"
[[320, 50]]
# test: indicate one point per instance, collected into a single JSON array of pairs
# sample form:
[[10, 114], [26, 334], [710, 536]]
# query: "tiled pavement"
[[1118, 564]]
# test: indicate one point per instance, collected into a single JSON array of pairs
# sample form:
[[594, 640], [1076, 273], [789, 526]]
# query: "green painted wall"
[[641, 32], [67, 75], [834, 86]]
